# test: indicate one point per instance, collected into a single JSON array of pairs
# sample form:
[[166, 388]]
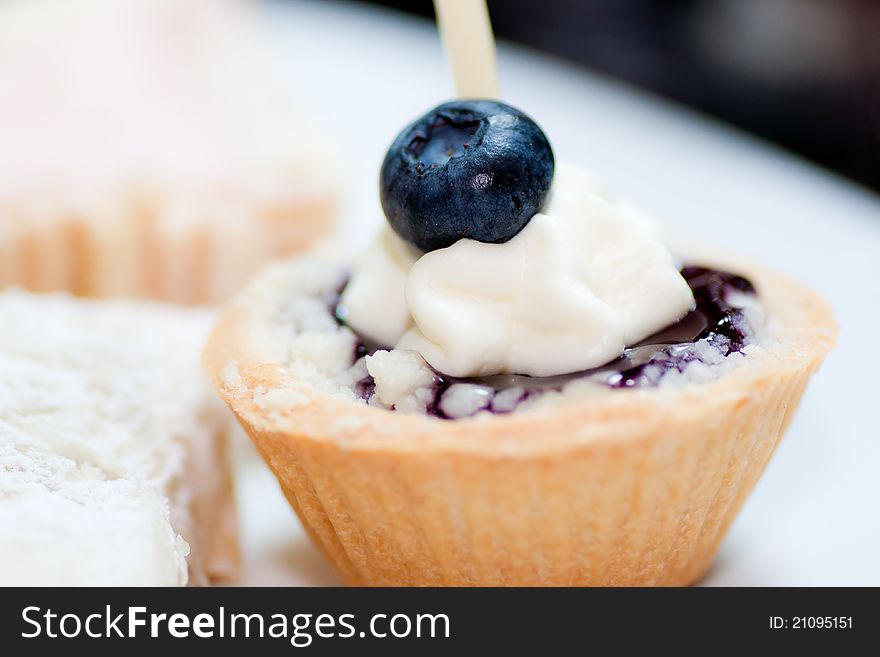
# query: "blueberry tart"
[[151, 148], [521, 381]]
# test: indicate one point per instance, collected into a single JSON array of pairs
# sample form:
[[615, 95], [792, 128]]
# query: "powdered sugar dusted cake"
[[113, 467]]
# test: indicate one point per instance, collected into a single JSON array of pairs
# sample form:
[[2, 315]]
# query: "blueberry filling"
[[715, 323], [365, 388]]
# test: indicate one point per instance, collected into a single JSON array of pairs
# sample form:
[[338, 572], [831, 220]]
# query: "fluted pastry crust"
[[633, 487], [139, 253]]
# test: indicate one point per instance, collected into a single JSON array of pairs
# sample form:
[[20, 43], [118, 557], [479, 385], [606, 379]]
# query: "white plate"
[[813, 519]]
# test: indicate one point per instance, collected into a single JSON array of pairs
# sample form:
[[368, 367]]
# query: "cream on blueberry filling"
[[725, 321], [502, 279]]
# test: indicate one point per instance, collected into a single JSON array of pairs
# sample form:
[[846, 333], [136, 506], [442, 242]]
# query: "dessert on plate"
[[519, 383], [151, 148], [113, 457], [523, 380]]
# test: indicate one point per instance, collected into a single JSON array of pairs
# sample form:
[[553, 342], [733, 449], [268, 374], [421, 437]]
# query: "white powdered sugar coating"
[[109, 430]]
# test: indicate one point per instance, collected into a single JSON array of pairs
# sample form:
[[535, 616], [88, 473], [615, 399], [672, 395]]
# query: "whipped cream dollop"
[[585, 278]]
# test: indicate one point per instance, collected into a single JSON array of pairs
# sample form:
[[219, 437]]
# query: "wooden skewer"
[[467, 36]]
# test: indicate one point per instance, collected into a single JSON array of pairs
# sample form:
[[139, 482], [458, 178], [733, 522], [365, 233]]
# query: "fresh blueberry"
[[472, 168]]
